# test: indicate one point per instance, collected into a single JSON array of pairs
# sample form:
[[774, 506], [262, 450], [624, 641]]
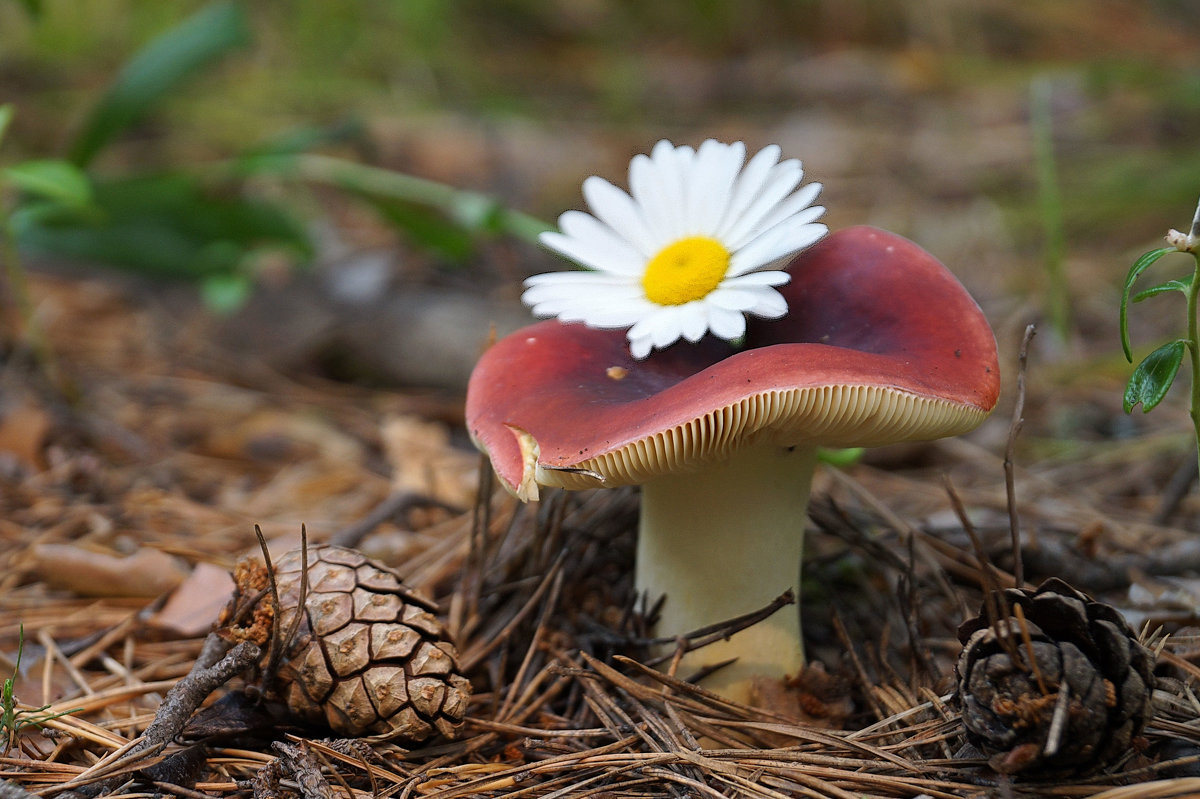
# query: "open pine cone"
[[369, 657], [1069, 700]]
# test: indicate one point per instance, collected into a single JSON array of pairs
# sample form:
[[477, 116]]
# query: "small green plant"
[[13, 720], [170, 222], [47, 187], [1154, 375], [211, 223]]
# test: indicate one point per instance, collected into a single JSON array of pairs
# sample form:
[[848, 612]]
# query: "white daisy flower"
[[684, 252]]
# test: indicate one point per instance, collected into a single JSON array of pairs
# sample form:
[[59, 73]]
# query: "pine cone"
[[369, 657], [1079, 710]]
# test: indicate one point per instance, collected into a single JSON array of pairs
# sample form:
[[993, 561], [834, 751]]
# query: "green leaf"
[[1139, 266], [158, 69], [476, 212], [6, 115], [840, 458], [1181, 285], [51, 179], [425, 226], [305, 138], [1154, 376], [471, 210], [165, 225], [226, 293], [33, 8]]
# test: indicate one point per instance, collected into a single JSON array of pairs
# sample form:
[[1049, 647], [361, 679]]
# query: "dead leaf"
[[193, 606], [146, 573], [425, 464], [23, 435]]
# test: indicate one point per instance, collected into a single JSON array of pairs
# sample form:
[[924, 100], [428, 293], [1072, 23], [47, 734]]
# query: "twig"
[[539, 633], [300, 762], [1018, 420], [180, 703], [10, 790], [1023, 626], [1059, 719], [394, 504], [993, 598], [469, 659], [280, 643], [860, 671], [712, 633]]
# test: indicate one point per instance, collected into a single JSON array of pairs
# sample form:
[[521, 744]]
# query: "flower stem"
[[1193, 339], [471, 209]]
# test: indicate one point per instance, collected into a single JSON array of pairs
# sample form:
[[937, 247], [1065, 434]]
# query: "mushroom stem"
[[723, 542]]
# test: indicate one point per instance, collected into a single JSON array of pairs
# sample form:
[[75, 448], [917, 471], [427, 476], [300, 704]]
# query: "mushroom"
[[881, 345]]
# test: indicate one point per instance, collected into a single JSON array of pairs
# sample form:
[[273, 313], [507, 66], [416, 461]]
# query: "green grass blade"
[[6, 115], [157, 69], [33, 8], [51, 179]]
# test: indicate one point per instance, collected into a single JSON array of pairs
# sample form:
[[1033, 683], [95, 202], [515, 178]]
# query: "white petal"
[[734, 299], [639, 347], [607, 319], [651, 193], [617, 317], [748, 186], [660, 326], [676, 165], [795, 207], [716, 168], [779, 241], [617, 252], [558, 302], [553, 293], [770, 304], [784, 177], [787, 237], [590, 253], [668, 328], [757, 279], [606, 312], [580, 280], [726, 324], [619, 211], [588, 286], [694, 321], [657, 183]]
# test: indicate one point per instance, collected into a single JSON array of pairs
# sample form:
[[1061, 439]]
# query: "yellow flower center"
[[685, 270]]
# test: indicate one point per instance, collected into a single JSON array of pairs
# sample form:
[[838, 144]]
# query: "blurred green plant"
[[44, 185], [159, 68], [12, 718], [1152, 378], [205, 223], [32, 7], [171, 223], [1041, 121]]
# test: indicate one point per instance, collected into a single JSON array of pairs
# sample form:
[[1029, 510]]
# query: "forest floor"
[[137, 460]]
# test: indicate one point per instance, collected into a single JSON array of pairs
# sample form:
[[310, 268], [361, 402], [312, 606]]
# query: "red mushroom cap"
[[881, 344]]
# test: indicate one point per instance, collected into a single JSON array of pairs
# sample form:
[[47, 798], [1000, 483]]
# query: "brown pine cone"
[[369, 657], [1079, 710]]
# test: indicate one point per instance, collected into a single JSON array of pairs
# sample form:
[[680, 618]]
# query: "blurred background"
[[259, 158]]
